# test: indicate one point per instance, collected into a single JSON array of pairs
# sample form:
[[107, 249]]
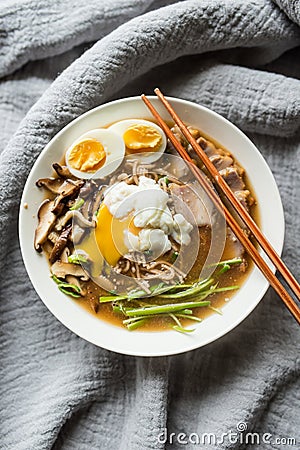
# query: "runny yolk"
[[110, 234], [142, 138], [88, 155]]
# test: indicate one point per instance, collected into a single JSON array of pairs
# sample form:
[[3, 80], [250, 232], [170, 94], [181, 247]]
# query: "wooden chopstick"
[[244, 215], [243, 238]]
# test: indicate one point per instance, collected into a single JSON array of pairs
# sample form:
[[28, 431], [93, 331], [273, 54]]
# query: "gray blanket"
[[59, 58]]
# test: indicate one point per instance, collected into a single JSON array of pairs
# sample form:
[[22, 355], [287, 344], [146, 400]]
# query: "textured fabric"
[[291, 8], [239, 58]]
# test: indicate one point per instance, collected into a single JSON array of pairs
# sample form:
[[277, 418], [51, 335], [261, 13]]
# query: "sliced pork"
[[194, 199]]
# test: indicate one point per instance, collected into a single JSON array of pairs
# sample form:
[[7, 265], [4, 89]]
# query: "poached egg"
[[125, 224]]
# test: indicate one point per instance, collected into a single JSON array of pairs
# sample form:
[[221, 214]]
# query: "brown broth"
[[232, 277]]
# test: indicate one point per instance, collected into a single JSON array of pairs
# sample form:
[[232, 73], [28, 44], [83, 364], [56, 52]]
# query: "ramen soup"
[[130, 234]]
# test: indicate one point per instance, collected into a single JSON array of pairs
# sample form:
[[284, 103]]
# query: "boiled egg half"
[[144, 140], [95, 154]]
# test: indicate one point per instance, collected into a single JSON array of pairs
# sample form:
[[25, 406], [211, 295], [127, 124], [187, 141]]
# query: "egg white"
[[114, 148], [146, 157]]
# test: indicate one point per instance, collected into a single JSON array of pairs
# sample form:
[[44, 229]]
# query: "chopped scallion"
[[67, 288], [163, 309], [77, 259], [183, 330], [78, 204], [227, 262], [137, 324], [190, 317], [217, 310], [174, 256], [192, 291]]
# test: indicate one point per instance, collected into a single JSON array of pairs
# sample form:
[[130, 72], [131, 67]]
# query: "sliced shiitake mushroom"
[[62, 270], [68, 189], [77, 218], [53, 185], [76, 282], [62, 171], [60, 244], [46, 219], [53, 236]]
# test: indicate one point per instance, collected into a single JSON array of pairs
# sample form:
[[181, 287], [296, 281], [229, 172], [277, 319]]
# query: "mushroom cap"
[[46, 219], [62, 270]]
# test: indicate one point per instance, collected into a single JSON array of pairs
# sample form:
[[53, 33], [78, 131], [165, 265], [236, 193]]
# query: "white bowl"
[[143, 343]]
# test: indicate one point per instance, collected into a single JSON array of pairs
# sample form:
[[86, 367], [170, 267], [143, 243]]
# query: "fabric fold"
[[29, 32], [291, 8], [130, 51], [235, 92]]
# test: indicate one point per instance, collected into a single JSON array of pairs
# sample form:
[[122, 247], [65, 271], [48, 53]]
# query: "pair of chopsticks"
[[236, 205]]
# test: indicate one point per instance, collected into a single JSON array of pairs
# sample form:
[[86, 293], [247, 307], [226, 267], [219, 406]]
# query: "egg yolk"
[[110, 234], [87, 156], [142, 138]]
